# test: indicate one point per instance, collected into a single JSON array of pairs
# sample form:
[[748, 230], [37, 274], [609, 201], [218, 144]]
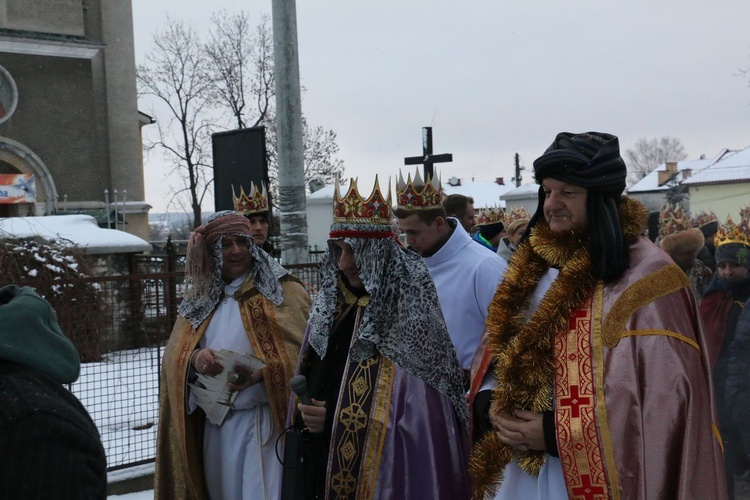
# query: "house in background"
[[524, 196], [722, 187], [320, 217], [652, 189], [69, 122], [486, 194]]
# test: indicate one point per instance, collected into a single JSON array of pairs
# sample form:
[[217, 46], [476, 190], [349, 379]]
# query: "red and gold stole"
[[580, 411]]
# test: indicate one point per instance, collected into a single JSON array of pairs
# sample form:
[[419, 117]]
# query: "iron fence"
[[120, 325]]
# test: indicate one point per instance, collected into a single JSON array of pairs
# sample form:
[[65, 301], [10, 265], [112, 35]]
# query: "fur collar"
[[522, 350]]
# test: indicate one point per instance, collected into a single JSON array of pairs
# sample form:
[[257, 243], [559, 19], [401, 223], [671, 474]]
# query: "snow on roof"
[[523, 192], [651, 181], [325, 194], [730, 168], [82, 230], [486, 194]]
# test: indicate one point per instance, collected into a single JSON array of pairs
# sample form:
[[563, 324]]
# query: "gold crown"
[[488, 216], [516, 214], [352, 208], [745, 217], [729, 232], [418, 195], [673, 219], [704, 218], [255, 202]]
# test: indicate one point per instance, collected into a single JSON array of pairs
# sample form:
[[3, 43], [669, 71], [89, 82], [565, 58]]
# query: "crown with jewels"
[[353, 209], [516, 214], [417, 194], [253, 203], [729, 232], [704, 218], [745, 217], [673, 219], [488, 216]]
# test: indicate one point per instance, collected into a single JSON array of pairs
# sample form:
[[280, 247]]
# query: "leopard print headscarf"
[[403, 320]]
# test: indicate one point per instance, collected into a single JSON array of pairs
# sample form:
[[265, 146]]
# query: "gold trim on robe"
[[275, 334]]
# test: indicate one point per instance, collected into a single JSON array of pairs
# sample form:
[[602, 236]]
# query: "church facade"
[[70, 130]]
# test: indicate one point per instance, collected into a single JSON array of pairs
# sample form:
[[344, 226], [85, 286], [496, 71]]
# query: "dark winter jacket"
[[738, 377], [51, 447]]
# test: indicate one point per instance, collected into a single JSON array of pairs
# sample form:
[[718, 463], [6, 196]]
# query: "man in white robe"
[[465, 274], [238, 301]]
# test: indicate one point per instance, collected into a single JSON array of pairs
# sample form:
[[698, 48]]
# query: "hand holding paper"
[[215, 394]]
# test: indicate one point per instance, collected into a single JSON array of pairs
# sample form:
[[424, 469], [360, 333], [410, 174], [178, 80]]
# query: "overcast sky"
[[495, 78]]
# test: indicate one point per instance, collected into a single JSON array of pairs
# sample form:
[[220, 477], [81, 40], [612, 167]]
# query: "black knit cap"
[[590, 160]]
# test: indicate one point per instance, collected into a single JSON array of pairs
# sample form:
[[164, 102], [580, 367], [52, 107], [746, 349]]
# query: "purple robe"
[[393, 436]]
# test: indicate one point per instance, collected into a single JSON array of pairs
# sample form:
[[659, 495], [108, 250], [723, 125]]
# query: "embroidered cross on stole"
[[580, 411]]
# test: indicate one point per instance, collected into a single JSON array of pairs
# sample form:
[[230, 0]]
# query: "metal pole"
[[124, 199], [114, 205], [292, 201], [106, 207]]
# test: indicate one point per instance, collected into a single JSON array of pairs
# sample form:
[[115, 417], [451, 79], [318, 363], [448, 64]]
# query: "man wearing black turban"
[[590, 162], [594, 381]]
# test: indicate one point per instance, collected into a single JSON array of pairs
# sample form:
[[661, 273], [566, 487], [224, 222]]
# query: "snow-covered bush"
[[58, 272]]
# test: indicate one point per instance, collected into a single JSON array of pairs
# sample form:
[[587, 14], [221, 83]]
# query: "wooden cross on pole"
[[428, 159]]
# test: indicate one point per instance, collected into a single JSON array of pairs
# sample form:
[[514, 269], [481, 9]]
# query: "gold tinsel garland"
[[523, 349]]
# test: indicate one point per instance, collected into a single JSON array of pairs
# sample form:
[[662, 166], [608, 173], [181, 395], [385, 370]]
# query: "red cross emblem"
[[574, 401], [586, 489]]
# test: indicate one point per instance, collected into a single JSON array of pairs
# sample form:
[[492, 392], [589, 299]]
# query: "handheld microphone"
[[298, 384]]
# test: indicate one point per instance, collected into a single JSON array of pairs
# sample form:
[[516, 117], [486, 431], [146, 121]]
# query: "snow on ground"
[[121, 393]]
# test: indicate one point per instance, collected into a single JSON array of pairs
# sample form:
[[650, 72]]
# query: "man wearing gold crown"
[[254, 206], [465, 274], [239, 299], [720, 310], [602, 381], [490, 228], [388, 417], [517, 220]]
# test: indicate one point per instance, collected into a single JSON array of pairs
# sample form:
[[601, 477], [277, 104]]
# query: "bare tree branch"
[[176, 75], [650, 153], [201, 87]]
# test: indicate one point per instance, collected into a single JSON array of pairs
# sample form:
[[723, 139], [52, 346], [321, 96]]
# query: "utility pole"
[[518, 177], [292, 201]]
